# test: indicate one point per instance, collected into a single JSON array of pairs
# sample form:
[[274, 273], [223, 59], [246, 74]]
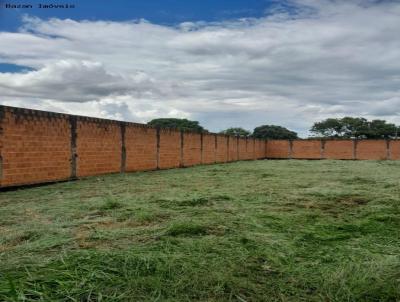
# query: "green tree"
[[273, 132], [382, 129], [354, 127], [330, 127], [236, 132], [176, 123]]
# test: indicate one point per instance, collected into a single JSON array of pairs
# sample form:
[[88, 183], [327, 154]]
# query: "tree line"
[[339, 128]]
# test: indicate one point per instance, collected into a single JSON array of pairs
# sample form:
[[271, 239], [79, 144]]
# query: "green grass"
[[246, 231]]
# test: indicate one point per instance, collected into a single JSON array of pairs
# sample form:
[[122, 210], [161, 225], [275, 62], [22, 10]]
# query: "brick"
[[306, 149], [395, 150], [191, 149], [250, 149], [338, 149], [277, 149], [98, 147], [170, 149], [141, 148], [371, 149], [33, 149], [260, 149], [222, 149], [233, 151], [209, 151], [242, 151]]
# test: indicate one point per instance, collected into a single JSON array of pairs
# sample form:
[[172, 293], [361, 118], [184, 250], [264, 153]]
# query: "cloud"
[[73, 81], [291, 67]]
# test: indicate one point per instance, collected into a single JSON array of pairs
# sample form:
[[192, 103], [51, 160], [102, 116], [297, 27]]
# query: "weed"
[[186, 229], [111, 204]]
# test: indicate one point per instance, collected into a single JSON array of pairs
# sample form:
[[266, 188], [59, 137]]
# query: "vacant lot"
[[247, 231]]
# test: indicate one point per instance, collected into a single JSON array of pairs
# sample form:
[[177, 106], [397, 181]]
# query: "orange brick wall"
[[222, 149], [277, 149], [334, 149], [371, 149], [170, 149], [191, 149], [35, 147], [242, 149], [260, 149], [395, 150], [338, 149], [233, 148], [38, 147], [306, 149], [141, 148], [250, 149], [209, 148], [98, 147]]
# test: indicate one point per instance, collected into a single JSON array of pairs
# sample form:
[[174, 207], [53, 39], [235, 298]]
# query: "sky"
[[225, 63]]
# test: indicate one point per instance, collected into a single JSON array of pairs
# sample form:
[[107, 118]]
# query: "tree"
[[176, 123], [273, 132], [236, 132], [381, 129], [354, 127], [330, 127]]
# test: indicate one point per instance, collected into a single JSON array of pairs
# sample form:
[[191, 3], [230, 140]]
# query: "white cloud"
[[333, 58], [73, 81]]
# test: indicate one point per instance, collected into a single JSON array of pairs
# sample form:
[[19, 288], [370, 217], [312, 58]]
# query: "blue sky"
[[155, 11], [223, 63], [165, 12]]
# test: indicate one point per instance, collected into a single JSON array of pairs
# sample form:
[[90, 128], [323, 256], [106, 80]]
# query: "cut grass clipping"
[[246, 231]]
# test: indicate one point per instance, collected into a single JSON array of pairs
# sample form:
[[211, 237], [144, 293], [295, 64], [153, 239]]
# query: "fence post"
[[388, 150], [290, 149], [354, 148], [323, 148]]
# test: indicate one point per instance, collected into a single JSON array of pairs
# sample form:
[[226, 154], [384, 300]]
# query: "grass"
[[246, 231]]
